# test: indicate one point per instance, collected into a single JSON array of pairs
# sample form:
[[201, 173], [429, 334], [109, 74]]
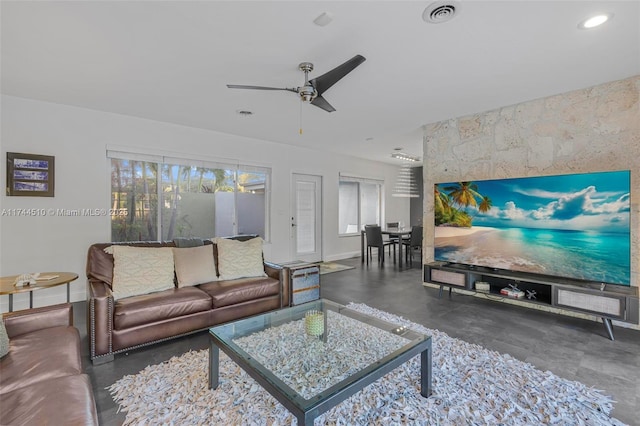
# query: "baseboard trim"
[[341, 256]]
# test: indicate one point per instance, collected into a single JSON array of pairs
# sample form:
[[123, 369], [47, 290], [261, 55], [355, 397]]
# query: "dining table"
[[400, 232]]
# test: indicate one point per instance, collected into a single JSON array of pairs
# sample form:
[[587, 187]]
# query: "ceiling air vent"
[[441, 11]]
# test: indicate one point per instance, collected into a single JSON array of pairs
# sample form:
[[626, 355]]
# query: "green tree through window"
[[153, 201]]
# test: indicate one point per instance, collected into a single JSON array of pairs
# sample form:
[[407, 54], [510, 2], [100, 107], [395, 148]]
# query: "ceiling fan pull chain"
[[300, 117]]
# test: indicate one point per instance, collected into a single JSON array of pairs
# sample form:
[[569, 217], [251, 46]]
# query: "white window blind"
[[359, 202]]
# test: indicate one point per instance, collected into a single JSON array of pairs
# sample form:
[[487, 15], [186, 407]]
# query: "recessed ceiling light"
[[323, 19], [244, 113], [595, 21]]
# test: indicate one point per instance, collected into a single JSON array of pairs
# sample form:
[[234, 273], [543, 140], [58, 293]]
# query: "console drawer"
[[602, 304]]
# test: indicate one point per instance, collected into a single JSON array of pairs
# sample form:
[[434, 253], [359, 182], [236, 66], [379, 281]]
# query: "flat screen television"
[[572, 226]]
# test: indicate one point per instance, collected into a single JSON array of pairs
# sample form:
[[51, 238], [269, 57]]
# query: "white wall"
[[78, 139]]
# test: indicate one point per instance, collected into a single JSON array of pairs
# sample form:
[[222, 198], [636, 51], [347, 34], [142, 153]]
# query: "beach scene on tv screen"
[[573, 226]]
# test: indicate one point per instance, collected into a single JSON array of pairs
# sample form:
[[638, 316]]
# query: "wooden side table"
[[7, 285]]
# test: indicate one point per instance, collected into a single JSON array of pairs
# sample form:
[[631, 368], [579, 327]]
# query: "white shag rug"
[[471, 386]]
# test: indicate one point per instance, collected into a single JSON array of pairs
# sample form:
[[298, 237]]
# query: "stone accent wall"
[[588, 130]]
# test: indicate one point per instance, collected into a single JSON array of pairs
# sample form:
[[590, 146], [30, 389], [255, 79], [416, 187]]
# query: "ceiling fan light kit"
[[313, 89], [307, 92]]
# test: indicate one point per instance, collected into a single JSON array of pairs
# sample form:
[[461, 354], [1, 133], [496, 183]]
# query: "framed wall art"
[[30, 175]]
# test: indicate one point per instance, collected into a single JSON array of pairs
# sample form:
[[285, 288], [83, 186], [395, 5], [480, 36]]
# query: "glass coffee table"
[[311, 357]]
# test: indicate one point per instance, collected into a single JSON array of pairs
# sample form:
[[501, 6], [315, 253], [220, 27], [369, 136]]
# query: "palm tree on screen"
[[485, 204], [464, 194], [442, 201]]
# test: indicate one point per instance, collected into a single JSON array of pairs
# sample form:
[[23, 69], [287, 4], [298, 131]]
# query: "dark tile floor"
[[572, 348]]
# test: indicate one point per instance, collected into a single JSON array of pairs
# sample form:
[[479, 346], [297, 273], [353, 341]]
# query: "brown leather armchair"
[[41, 379]]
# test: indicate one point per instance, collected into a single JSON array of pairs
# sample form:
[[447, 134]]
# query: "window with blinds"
[[359, 203]]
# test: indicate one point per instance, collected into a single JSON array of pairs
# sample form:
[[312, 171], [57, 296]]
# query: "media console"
[[606, 301]]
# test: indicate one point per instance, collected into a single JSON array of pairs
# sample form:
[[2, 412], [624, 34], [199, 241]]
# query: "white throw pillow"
[[194, 265], [240, 259], [141, 270]]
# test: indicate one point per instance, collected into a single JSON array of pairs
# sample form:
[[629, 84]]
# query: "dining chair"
[[374, 239], [393, 238], [413, 242]]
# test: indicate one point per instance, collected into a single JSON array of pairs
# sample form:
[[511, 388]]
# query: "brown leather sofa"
[[115, 326], [41, 379]]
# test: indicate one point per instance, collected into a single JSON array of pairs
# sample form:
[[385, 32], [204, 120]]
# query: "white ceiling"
[[170, 61]]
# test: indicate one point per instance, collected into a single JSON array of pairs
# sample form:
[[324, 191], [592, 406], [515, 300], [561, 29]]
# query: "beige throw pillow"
[[240, 259], [141, 270], [194, 265], [4, 339]]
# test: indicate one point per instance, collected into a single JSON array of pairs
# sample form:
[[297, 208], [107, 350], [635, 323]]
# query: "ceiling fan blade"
[[321, 102], [241, 86], [328, 79]]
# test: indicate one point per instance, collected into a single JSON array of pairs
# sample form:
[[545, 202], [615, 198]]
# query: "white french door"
[[306, 218]]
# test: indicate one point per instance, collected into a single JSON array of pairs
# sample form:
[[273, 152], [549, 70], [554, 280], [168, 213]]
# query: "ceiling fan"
[[313, 89]]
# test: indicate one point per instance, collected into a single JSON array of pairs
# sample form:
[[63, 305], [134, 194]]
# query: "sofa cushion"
[[59, 401], [240, 259], [30, 358], [225, 293], [194, 265], [149, 308], [141, 270]]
